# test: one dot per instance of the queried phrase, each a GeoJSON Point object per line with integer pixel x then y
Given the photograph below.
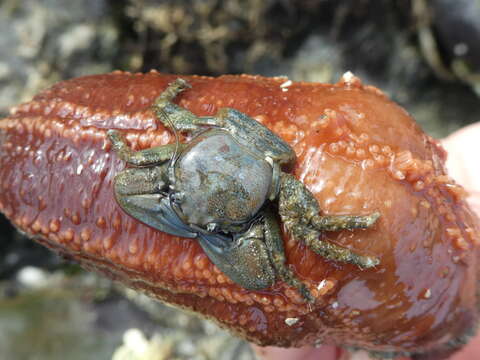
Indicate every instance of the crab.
{"type": "Point", "coordinates": [226, 188]}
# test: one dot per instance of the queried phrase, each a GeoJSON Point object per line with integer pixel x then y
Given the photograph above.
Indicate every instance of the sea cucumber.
{"type": "Point", "coordinates": [357, 151]}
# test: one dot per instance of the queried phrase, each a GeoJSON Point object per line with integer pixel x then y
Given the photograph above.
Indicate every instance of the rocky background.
{"type": "Point", "coordinates": [423, 54]}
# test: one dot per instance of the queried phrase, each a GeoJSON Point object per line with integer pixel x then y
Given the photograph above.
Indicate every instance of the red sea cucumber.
{"type": "Point", "coordinates": [357, 152]}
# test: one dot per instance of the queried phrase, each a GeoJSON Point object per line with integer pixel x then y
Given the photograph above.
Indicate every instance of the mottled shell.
{"type": "Point", "coordinates": [223, 182]}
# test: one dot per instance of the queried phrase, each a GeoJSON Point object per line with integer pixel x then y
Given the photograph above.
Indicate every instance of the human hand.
{"type": "Point", "coordinates": [463, 148]}
{"type": "Point", "coordinates": [463, 165]}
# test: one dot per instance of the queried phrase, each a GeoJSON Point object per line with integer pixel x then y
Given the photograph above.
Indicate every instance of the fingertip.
{"type": "Point", "coordinates": [306, 353]}
{"type": "Point", "coordinates": [471, 351]}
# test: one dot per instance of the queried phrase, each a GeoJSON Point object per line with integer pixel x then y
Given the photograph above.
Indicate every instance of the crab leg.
{"type": "Point", "coordinates": [344, 222]}
{"type": "Point", "coordinates": [299, 212]}
{"type": "Point", "coordinates": [154, 155]}
{"type": "Point", "coordinates": [175, 117]}
{"type": "Point", "coordinates": [274, 242]}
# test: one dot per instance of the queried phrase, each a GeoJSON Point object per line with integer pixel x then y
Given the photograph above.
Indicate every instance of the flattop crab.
{"type": "Point", "coordinates": [219, 188]}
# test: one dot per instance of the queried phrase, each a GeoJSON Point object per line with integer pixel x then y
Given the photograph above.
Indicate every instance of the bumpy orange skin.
{"type": "Point", "coordinates": [357, 152]}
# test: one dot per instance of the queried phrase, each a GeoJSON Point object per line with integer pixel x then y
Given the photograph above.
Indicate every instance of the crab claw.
{"type": "Point", "coordinates": [155, 210]}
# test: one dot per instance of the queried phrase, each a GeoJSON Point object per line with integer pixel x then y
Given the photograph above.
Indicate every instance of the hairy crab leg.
{"type": "Point", "coordinates": [145, 157]}
{"type": "Point", "coordinates": [274, 242]}
{"type": "Point", "coordinates": [299, 212]}
{"type": "Point", "coordinates": [140, 181]}
{"type": "Point", "coordinates": [175, 117]}
{"type": "Point", "coordinates": [344, 222]}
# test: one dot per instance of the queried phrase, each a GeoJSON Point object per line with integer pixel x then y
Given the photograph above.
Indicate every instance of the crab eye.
{"type": "Point", "coordinates": [212, 227]}
{"type": "Point", "coordinates": [177, 197]}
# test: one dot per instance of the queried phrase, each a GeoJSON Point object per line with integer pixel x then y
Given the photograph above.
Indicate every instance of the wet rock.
{"type": "Point", "coordinates": [48, 40]}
